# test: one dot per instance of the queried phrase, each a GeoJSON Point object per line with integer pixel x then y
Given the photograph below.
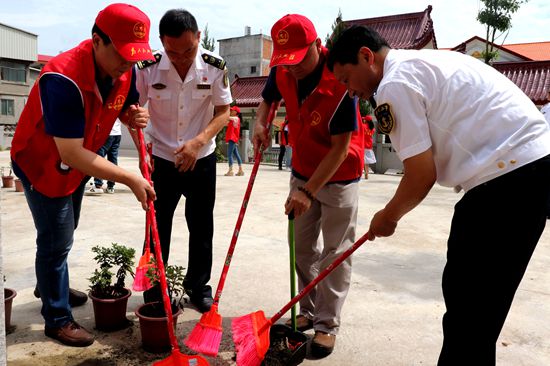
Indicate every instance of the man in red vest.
{"type": "Point", "coordinates": [327, 163]}
{"type": "Point", "coordinates": [68, 116]}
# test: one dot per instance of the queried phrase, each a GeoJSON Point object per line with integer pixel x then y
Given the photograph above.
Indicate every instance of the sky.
{"type": "Point", "coordinates": [62, 24]}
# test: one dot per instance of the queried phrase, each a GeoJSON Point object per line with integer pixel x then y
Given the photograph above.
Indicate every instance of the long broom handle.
{"type": "Point", "coordinates": [156, 242]}
{"type": "Point", "coordinates": [314, 282]}
{"type": "Point", "coordinates": [257, 160]}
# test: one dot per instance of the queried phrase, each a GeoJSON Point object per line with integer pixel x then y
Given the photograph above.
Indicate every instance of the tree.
{"type": "Point", "coordinates": [337, 28]}
{"type": "Point", "coordinates": [207, 42]}
{"type": "Point", "coordinates": [497, 16]}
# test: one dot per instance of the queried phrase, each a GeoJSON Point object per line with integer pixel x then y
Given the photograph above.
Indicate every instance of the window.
{"type": "Point", "coordinates": [252, 69]}
{"type": "Point", "coordinates": [11, 71]}
{"type": "Point", "coordinates": [7, 107]}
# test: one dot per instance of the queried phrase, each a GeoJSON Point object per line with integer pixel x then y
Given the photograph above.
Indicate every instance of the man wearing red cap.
{"type": "Point", "coordinates": [68, 116]}
{"type": "Point", "coordinates": [187, 93]}
{"type": "Point", "coordinates": [325, 133]}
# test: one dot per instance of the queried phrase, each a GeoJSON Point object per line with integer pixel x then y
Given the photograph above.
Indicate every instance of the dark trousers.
{"type": "Point", "coordinates": [282, 149]}
{"type": "Point", "coordinates": [109, 149]}
{"type": "Point", "coordinates": [199, 189]}
{"type": "Point", "coordinates": [494, 231]}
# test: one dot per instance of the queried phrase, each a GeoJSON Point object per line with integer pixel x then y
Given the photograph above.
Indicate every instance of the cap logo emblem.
{"type": "Point", "coordinates": [118, 103]}
{"type": "Point", "coordinates": [282, 37]}
{"type": "Point", "coordinates": [315, 118]}
{"type": "Point", "coordinates": [140, 30]}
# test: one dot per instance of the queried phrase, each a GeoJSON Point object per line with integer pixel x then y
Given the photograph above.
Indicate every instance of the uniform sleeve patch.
{"type": "Point", "coordinates": [146, 63]}
{"type": "Point", "coordinates": [385, 119]}
{"type": "Point", "coordinates": [214, 61]}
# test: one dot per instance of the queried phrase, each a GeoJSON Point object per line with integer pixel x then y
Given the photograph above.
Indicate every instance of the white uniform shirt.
{"type": "Point", "coordinates": [545, 110]}
{"type": "Point", "coordinates": [479, 124]}
{"type": "Point", "coordinates": [181, 109]}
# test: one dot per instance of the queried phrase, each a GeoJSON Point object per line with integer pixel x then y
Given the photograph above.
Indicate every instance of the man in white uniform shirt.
{"type": "Point", "coordinates": [188, 97]}
{"type": "Point", "coordinates": [454, 120]}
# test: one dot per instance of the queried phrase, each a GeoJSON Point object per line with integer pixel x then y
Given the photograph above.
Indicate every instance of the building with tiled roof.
{"type": "Point", "coordinates": [536, 51]}
{"type": "Point", "coordinates": [533, 77]}
{"type": "Point", "coordinates": [475, 46]}
{"type": "Point", "coordinates": [405, 31]}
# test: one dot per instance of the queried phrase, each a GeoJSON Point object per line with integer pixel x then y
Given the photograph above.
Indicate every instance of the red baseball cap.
{"type": "Point", "coordinates": [292, 36]}
{"type": "Point", "coordinates": [236, 109]}
{"type": "Point", "coordinates": [128, 28]}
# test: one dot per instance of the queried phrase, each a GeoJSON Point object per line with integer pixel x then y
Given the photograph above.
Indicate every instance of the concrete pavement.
{"type": "Point", "coordinates": [394, 308]}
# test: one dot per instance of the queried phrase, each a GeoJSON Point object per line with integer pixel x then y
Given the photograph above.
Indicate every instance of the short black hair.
{"type": "Point", "coordinates": [347, 45]}
{"type": "Point", "coordinates": [105, 38]}
{"type": "Point", "coordinates": [177, 21]}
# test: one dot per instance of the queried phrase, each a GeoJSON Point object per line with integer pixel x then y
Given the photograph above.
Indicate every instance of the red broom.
{"type": "Point", "coordinates": [141, 281]}
{"type": "Point", "coordinates": [176, 358]}
{"type": "Point", "coordinates": [206, 336]}
{"type": "Point", "coordinates": [251, 332]}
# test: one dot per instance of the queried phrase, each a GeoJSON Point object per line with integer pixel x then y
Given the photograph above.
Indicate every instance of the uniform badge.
{"type": "Point", "coordinates": [203, 86]}
{"type": "Point", "coordinates": [159, 86]}
{"type": "Point", "coordinates": [385, 119]}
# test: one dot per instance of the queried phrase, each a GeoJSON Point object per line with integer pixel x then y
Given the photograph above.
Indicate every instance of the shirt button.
{"type": "Point", "coordinates": [181, 107]}
{"type": "Point", "coordinates": [501, 164]}
{"type": "Point", "coordinates": [513, 161]}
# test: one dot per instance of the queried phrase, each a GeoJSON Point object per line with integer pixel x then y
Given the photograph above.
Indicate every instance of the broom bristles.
{"type": "Point", "coordinates": [177, 358]}
{"type": "Point", "coordinates": [251, 347]}
{"type": "Point", "coordinates": [206, 336]}
{"type": "Point", "coordinates": [141, 281]}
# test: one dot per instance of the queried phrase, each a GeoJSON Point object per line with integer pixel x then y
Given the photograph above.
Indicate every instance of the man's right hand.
{"type": "Point", "coordinates": [259, 137]}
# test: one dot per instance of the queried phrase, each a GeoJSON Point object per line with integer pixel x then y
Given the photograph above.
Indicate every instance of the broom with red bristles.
{"type": "Point", "coordinates": [251, 332]}
{"type": "Point", "coordinates": [176, 358]}
{"type": "Point", "coordinates": [206, 336]}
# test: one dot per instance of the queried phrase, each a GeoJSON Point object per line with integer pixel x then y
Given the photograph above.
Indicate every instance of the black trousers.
{"type": "Point", "coordinates": [494, 231]}
{"type": "Point", "coordinates": [282, 150]}
{"type": "Point", "coordinates": [199, 189]}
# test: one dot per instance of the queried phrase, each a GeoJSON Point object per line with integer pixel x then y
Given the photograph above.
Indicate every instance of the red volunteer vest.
{"type": "Point", "coordinates": [35, 151]}
{"type": "Point", "coordinates": [308, 128]}
{"type": "Point", "coordinates": [233, 131]}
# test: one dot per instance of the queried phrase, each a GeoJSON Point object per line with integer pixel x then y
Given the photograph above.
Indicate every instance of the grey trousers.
{"type": "Point", "coordinates": [334, 213]}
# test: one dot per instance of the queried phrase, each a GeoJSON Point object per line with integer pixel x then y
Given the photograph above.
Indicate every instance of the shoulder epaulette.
{"type": "Point", "coordinates": [146, 63]}
{"type": "Point", "coordinates": [214, 61]}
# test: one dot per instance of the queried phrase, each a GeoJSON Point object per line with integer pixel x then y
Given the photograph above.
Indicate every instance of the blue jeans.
{"type": "Point", "coordinates": [55, 220]}
{"type": "Point", "coordinates": [109, 148]}
{"type": "Point", "coordinates": [232, 149]}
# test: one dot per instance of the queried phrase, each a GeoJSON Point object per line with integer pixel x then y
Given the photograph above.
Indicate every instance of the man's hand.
{"type": "Point", "coordinates": [137, 116]}
{"type": "Point", "coordinates": [381, 225]}
{"type": "Point", "coordinates": [298, 202]}
{"type": "Point", "coordinates": [142, 190]}
{"type": "Point", "coordinates": [259, 137]}
{"type": "Point", "coordinates": [186, 155]}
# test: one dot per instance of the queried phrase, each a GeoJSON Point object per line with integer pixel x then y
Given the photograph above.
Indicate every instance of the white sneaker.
{"type": "Point", "coordinates": [92, 189]}
{"type": "Point", "coordinates": [110, 190]}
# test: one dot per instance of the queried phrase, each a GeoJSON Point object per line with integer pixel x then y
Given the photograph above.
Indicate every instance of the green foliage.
{"type": "Point", "coordinates": [337, 28]}
{"type": "Point", "coordinates": [496, 16]}
{"type": "Point", "coordinates": [207, 42]}
{"type": "Point", "coordinates": [174, 280]}
{"type": "Point", "coordinates": [117, 256]}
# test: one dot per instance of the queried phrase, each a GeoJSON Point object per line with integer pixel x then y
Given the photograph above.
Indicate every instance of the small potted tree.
{"type": "Point", "coordinates": [111, 299]}
{"type": "Point", "coordinates": [7, 179]}
{"type": "Point", "coordinates": [9, 295]}
{"type": "Point", "coordinates": [153, 322]}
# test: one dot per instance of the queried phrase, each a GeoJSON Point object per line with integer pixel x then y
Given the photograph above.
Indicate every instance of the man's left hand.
{"type": "Point", "coordinates": [186, 156]}
{"type": "Point", "coordinates": [137, 117]}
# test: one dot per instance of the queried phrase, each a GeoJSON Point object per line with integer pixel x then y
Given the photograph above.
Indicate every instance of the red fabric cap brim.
{"type": "Point", "coordinates": [288, 57]}
{"type": "Point", "coordinates": [134, 51]}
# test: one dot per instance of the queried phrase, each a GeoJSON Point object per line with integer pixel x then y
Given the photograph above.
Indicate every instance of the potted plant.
{"type": "Point", "coordinates": [153, 322]}
{"type": "Point", "coordinates": [9, 295]}
{"type": "Point", "coordinates": [7, 179]}
{"type": "Point", "coordinates": [111, 299]}
{"type": "Point", "coordinates": [18, 185]}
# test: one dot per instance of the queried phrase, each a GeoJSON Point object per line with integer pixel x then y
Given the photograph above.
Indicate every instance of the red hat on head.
{"type": "Point", "coordinates": [292, 36]}
{"type": "Point", "coordinates": [236, 109]}
{"type": "Point", "coordinates": [128, 28]}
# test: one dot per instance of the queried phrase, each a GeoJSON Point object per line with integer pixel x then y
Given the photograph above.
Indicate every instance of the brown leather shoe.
{"type": "Point", "coordinates": [322, 344]}
{"type": "Point", "coordinates": [71, 334]}
{"type": "Point", "coordinates": [302, 323]}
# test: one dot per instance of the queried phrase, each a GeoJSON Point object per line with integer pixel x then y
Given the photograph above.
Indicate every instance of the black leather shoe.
{"type": "Point", "coordinates": [76, 298]}
{"type": "Point", "coordinates": [203, 304]}
{"type": "Point", "coordinates": [71, 334]}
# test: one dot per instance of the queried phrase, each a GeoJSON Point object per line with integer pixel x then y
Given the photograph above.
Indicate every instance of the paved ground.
{"type": "Point", "coordinates": [394, 309]}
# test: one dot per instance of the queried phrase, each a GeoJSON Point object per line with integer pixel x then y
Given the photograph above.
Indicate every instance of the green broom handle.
{"type": "Point", "coordinates": [292, 249]}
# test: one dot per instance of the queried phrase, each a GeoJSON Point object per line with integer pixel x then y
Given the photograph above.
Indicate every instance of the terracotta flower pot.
{"type": "Point", "coordinates": [110, 314]}
{"type": "Point", "coordinates": [9, 295]}
{"type": "Point", "coordinates": [7, 181]}
{"type": "Point", "coordinates": [18, 185]}
{"type": "Point", "coordinates": [154, 327]}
